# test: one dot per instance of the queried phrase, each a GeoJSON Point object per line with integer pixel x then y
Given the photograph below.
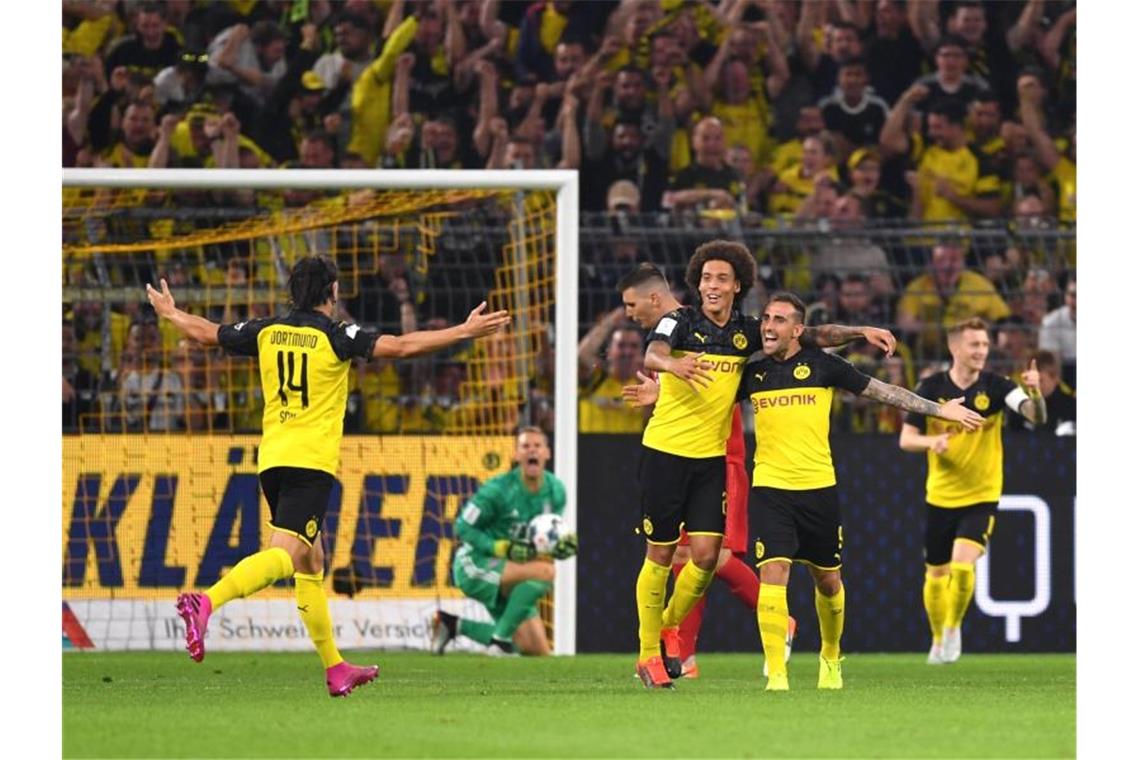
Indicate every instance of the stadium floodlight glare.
{"type": "Point", "coordinates": [563, 184]}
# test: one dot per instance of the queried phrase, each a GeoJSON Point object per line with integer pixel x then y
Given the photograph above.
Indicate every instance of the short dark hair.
{"type": "Point", "coordinates": [857, 277]}
{"type": "Point", "coordinates": [849, 26]}
{"type": "Point", "coordinates": [787, 296]}
{"type": "Point", "coordinates": [264, 32]}
{"type": "Point", "coordinates": [321, 136]}
{"type": "Point", "coordinates": [952, 40]}
{"type": "Point", "coordinates": [645, 272]}
{"type": "Point", "coordinates": [853, 60]}
{"type": "Point", "coordinates": [988, 96]}
{"type": "Point", "coordinates": [951, 109]}
{"type": "Point", "coordinates": [152, 7]}
{"type": "Point", "coordinates": [311, 282]}
{"type": "Point", "coordinates": [628, 120]}
{"type": "Point", "coordinates": [737, 254]}
{"type": "Point", "coordinates": [1046, 360]}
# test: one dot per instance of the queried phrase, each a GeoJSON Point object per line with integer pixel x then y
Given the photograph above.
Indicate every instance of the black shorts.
{"type": "Point", "coordinates": [298, 498]}
{"type": "Point", "coordinates": [801, 526]}
{"type": "Point", "coordinates": [680, 491]}
{"type": "Point", "coordinates": [945, 525]}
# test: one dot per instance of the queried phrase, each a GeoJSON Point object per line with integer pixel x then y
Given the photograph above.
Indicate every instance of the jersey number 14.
{"type": "Point", "coordinates": [285, 380]}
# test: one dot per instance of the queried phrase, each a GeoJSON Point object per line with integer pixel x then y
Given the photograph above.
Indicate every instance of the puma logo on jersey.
{"type": "Point", "coordinates": [760, 376]}
{"type": "Point", "coordinates": [700, 337]}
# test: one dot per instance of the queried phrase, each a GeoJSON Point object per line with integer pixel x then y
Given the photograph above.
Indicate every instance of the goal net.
{"type": "Point", "coordinates": [160, 490]}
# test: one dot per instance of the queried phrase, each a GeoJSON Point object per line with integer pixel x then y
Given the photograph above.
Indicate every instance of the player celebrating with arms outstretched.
{"type": "Point", "coordinates": [304, 358]}
{"type": "Point", "coordinates": [963, 485]}
{"type": "Point", "coordinates": [794, 496]}
{"type": "Point", "coordinates": [700, 354]}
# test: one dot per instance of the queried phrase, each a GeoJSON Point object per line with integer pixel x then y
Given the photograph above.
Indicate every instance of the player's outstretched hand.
{"type": "Point", "coordinates": [955, 411]}
{"type": "Point", "coordinates": [163, 302]}
{"type": "Point", "coordinates": [881, 338]}
{"type": "Point", "coordinates": [479, 324]}
{"type": "Point", "coordinates": [567, 546]}
{"type": "Point", "coordinates": [691, 369]}
{"type": "Point", "coordinates": [642, 394]}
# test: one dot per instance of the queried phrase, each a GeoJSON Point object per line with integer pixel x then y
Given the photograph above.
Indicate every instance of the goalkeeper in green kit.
{"type": "Point", "coordinates": [497, 565]}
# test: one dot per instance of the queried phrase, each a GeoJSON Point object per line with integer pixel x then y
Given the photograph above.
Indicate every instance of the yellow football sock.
{"type": "Point", "coordinates": [829, 610]}
{"type": "Point", "coordinates": [252, 574]}
{"type": "Point", "coordinates": [935, 593]}
{"type": "Point", "coordinates": [960, 593]}
{"type": "Point", "coordinates": [772, 619]}
{"type": "Point", "coordinates": [691, 584]}
{"type": "Point", "coordinates": [314, 608]}
{"type": "Point", "coordinates": [651, 582]}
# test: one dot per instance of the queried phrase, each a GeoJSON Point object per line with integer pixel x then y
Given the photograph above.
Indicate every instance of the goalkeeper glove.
{"type": "Point", "coordinates": [567, 546]}
{"type": "Point", "coordinates": [515, 551]}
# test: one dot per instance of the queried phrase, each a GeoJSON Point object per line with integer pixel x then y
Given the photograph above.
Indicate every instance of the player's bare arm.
{"type": "Point", "coordinates": [689, 367]}
{"type": "Point", "coordinates": [831, 336]}
{"type": "Point", "coordinates": [953, 410]}
{"type": "Point", "coordinates": [1032, 408]}
{"type": "Point", "coordinates": [420, 342]}
{"type": "Point", "coordinates": [192, 326]}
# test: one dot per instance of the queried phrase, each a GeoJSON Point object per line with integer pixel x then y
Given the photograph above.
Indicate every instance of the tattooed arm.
{"type": "Point", "coordinates": [829, 336]}
{"type": "Point", "coordinates": [952, 410]}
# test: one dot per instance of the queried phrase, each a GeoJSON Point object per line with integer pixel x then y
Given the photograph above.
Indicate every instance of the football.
{"type": "Point", "coordinates": [545, 530]}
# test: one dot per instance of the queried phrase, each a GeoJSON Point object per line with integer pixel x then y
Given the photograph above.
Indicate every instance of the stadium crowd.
{"type": "Point", "coordinates": [810, 130]}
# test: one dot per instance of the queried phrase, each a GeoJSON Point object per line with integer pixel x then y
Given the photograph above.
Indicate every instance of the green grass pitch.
{"type": "Point", "coordinates": [275, 705]}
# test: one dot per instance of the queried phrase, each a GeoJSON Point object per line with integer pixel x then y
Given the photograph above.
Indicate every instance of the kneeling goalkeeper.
{"type": "Point", "coordinates": [497, 565]}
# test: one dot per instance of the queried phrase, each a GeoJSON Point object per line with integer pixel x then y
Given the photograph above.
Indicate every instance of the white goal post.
{"type": "Point", "coordinates": [563, 182]}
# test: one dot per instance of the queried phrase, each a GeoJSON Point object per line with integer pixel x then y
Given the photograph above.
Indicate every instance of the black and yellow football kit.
{"type": "Point", "coordinates": [682, 470]}
{"type": "Point", "coordinates": [963, 484]}
{"type": "Point", "coordinates": [304, 361]}
{"type": "Point", "coordinates": [793, 483]}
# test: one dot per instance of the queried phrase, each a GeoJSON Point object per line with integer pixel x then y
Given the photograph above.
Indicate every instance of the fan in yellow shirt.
{"type": "Point", "coordinates": [945, 296]}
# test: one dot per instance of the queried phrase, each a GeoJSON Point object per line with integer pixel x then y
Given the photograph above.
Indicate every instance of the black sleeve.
{"type": "Point", "coordinates": [240, 338]}
{"type": "Point", "coordinates": [99, 121]}
{"type": "Point", "coordinates": [350, 341]}
{"type": "Point", "coordinates": [925, 390]}
{"type": "Point", "coordinates": [743, 391]}
{"type": "Point", "coordinates": [842, 374]}
{"type": "Point", "coordinates": [671, 328]}
{"type": "Point", "coordinates": [1001, 387]}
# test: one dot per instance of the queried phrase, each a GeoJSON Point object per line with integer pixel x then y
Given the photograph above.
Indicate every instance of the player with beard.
{"type": "Point", "coordinates": [794, 494]}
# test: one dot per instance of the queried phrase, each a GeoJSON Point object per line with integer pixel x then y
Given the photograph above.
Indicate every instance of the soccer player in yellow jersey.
{"type": "Point", "coordinates": [304, 359]}
{"type": "Point", "coordinates": [794, 496]}
{"type": "Point", "coordinates": [699, 355]}
{"type": "Point", "coordinates": [963, 484]}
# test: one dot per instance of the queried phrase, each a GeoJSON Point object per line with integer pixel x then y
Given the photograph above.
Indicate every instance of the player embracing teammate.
{"type": "Point", "coordinates": [699, 355]}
